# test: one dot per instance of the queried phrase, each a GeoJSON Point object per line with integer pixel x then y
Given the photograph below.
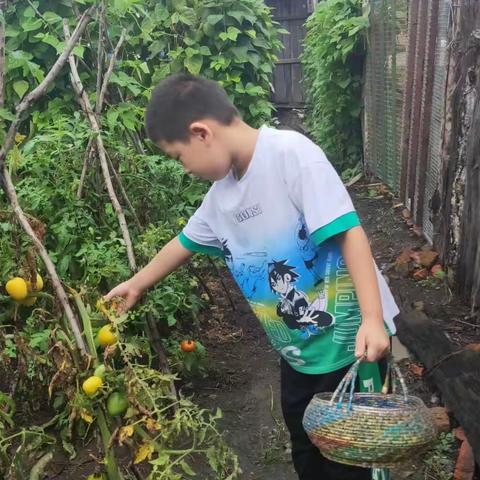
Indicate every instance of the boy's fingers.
{"type": "Point", "coordinates": [114, 292]}
{"type": "Point", "coordinates": [360, 347]}
{"type": "Point", "coordinates": [108, 296]}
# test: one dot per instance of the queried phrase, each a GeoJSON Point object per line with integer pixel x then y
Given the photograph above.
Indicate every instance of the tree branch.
{"type": "Point", "coordinates": [108, 73]}
{"type": "Point", "coordinates": [9, 188]}
{"type": "Point", "coordinates": [137, 142]}
{"type": "Point", "coordinates": [87, 107]}
{"type": "Point", "coordinates": [86, 159]}
{"type": "Point", "coordinates": [124, 192]}
{"type": "Point", "coordinates": [101, 27]}
{"type": "Point", "coordinates": [40, 90]}
{"type": "Point", "coordinates": [3, 6]}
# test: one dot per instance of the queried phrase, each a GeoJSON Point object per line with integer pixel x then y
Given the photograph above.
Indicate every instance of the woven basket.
{"type": "Point", "coordinates": [375, 430]}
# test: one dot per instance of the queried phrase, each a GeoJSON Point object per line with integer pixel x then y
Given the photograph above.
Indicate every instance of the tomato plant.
{"type": "Point", "coordinates": [228, 41]}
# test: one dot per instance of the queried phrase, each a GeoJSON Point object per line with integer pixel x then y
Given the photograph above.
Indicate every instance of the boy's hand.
{"type": "Point", "coordinates": [372, 341]}
{"type": "Point", "coordinates": [128, 292]}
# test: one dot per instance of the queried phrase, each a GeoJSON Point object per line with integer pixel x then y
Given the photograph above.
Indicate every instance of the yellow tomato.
{"type": "Point", "coordinates": [17, 288]}
{"type": "Point", "coordinates": [39, 284]}
{"type": "Point", "coordinates": [29, 301]}
{"type": "Point", "coordinates": [106, 336]}
{"type": "Point", "coordinates": [91, 385]}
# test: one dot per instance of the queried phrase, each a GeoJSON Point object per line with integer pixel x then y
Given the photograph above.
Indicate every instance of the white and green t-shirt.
{"type": "Point", "coordinates": [276, 229]}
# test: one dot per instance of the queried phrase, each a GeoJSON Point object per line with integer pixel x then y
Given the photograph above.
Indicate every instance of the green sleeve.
{"type": "Point", "coordinates": [199, 248]}
{"type": "Point", "coordinates": [339, 225]}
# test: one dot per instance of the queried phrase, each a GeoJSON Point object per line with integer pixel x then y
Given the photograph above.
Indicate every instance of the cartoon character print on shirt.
{"type": "Point", "coordinates": [310, 254]}
{"type": "Point", "coordinates": [294, 306]}
{"type": "Point", "coordinates": [249, 271]}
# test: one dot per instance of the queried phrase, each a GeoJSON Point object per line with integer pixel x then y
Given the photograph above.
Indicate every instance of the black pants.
{"type": "Point", "coordinates": [297, 389]}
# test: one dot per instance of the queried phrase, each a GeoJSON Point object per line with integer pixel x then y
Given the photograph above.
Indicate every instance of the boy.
{"type": "Point", "coordinates": [280, 216]}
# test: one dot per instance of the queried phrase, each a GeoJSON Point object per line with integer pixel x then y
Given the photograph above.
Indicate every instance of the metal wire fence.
{"type": "Point", "coordinates": [384, 88]}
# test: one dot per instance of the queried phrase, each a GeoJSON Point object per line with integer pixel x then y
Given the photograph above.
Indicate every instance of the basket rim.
{"type": "Point", "coordinates": [413, 402]}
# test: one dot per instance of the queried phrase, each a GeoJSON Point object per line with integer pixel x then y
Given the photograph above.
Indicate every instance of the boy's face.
{"type": "Point", "coordinates": [204, 155]}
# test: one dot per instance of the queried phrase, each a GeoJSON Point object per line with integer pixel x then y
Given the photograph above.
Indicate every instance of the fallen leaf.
{"type": "Point", "coordinates": [473, 347]}
{"type": "Point", "coordinates": [417, 369]}
{"type": "Point", "coordinates": [460, 434]}
{"type": "Point", "coordinates": [420, 306]}
{"type": "Point", "coordinates": [465, 466]}
{"type": "Point", "coordinates": [403, 262]}
{"type": "Point", "coordinates": [438, 271]}
{"type": "Point", "coordinates": [383, 190]}
{"type": "Point", "coordinates": [420, 274]}
{"type": "Point", "coordinates": [425, 258]}
{"type": "Point", "coordinates": [441, 418]}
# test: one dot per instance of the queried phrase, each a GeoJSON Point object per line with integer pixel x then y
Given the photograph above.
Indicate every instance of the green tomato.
{"type": "Point", "coordinates": [117, 404]}
{"type": "Point", "coordinates": [100, 371]}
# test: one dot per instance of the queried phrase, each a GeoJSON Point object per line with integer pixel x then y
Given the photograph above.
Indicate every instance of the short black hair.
{"type": "Point", "coordinates": [181, 99]}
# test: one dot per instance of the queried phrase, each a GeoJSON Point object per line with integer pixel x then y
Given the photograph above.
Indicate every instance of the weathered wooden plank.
{"type": "Point", "coordinates": [458, 222]}
{"type": "Point", "coordinates": [292, 15]}
{"type": "Point", "coordinates": [287, 61]}
{"type": "Point", "coordinates": [456, 373]}
{"type": "Point", "coordinates": [281, 94]}
{"type": "Point", "coordinates": [417, 102]}
{"type": "Point", "coordinates": [301, 18]}
{"type": "Point", "coordinates": [426, 112]}
{"type": "Point", "coordinates": [297, 85]}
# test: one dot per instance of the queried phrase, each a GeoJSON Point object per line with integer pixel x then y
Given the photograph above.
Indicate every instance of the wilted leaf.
{"type": "Point", "coordinates": [145, 451]}
{"type": "Point", "coordinates": [152, 425]}
{"type": "Point", "coordinates": [86, 416]}
{"type": "Point", "coordinates": [125, 432]}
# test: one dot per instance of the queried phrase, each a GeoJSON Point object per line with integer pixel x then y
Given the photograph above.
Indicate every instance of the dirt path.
{"type": "Point", "coordinates": [244, 383]}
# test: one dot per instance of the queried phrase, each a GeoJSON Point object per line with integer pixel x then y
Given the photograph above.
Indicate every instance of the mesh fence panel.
{"type": "Point", "coordinates": [384, 85]}
{"type": "Point", "coordinates": [434, 162]}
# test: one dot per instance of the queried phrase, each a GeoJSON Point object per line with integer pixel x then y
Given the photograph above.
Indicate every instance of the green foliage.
{"type": "Point", "coordinates": [225, 40]}
{"type": "Point", "coordinates": [333, 63]}
{"type": "Point", "coordinates": [440, 463]}
{"type": "Point", "coordinates": [228, 41]}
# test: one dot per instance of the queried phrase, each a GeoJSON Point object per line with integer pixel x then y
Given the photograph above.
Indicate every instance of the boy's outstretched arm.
{"type": "Point", "coordinates": [372, 337]}
{"type": "Point", "coordinates": [168, 259]}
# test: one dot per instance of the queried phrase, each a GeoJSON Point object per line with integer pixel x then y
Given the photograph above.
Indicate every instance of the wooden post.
{"type": "Point", "coordinates": [456, 372]}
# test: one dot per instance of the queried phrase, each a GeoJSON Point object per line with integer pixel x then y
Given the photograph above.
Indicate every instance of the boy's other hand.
{"type": "Point", "coordinates": [372, 341]}
{"type": "Point", "coordinates": [128, 292]}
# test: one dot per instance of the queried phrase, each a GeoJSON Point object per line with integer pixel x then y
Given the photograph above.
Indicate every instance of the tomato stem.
{"type": "Point", "coordinates": [87, 324]}
{"type": "Point", "coordinates": [111, 464]}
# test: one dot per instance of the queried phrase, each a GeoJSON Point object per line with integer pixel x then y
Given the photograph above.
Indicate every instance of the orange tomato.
{"type": "Point", "coordinates": [188, 345]}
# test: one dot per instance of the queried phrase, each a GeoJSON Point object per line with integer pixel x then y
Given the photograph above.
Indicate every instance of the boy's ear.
{"type": "Point", "coordinates": [200, 130]}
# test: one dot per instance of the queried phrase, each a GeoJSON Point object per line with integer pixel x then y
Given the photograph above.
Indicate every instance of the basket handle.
{"type": "Point", "coordinates": [348, 382]}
